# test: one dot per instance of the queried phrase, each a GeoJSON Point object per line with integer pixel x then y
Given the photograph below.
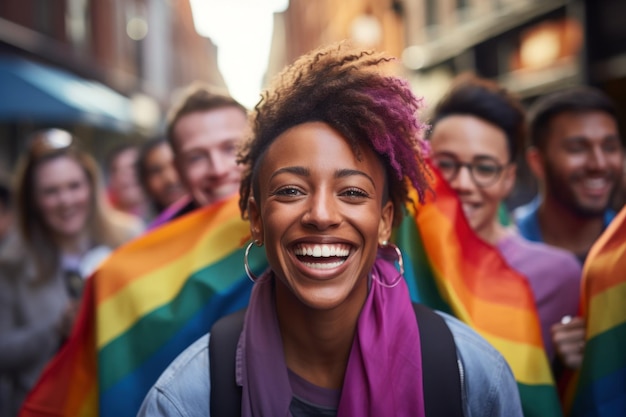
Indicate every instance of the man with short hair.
{"type": "Point", "coordinates": [576, 155]}
{"type": "Point", "coordinates": [205, 130]}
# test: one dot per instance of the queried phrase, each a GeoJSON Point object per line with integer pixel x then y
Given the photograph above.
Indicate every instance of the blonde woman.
{"type": "Point", "coordinates": [65, 230]}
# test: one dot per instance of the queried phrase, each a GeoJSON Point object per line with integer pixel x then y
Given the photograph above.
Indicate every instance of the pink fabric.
{"type": "Point", "coordinates": [169, 213]}
{"type": "Point", "coordinates": [384, 373]}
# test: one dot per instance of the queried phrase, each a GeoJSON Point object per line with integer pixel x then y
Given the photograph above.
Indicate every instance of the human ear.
{"type": "Point", "coordinates": [508, 180]}
{"type": "Point", "coordinates": [386, 222]}
{"type": "Point", "coordinates": [535, 161]}
{"type": "Point", "coordinates": [256, 222]}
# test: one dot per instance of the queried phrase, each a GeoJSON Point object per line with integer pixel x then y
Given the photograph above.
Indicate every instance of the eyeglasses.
{"type": "Point", "coordinates": [484, 170]}
{"type": "Point", "coordinates": [46, 141]}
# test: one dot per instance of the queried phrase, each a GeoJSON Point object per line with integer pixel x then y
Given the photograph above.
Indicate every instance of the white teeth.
{"type": "Point", "coordinates": [329, 265]}
{"type": "Point", "coordinates": [595, 183]}
{"type": "Point", "coordinates": [322, 251]}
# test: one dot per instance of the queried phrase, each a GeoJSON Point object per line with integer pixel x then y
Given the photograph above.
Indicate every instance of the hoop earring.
{"type": "Point", "coordinates": [246, 265]}
{"type": "Point", "coordinates": [396, 256]}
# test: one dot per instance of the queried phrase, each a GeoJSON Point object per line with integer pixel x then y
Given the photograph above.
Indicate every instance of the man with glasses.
{"type": "Point", "coordinates": [477, 129]}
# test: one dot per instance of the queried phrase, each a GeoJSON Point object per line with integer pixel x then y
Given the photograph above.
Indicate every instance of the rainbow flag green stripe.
{"type": "Point", "coordinates": [418, 270]}
{"type": "Point", "coordinates": [606, 350]}
{"type": "Point", "coordinates": [539, 400]}
{"type": "Point", "coordinates": [600, 386]}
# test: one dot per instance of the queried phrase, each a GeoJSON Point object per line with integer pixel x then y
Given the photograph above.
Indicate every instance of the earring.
{"type": "Point", "coordinates": [385, 250]}
{"type": "Point", "coordinates": [246, 265]}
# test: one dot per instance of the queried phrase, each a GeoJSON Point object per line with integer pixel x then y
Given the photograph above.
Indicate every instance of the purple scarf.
{"type": "Point", "coordinates": [384, 372]}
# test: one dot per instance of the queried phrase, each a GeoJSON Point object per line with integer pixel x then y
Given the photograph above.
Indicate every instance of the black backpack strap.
{"type": "Point", "coordinates": [225, 393]}
{"type": "Point", "coordinates": [440, 370]}
{"type": "Point", "coordinates": [441, 378]}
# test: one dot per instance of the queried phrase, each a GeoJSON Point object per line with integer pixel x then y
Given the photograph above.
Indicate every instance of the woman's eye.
{"type": "Point", "coordinates": [288, 192]}
{"type": "Point", "coordinates": [355, 193]}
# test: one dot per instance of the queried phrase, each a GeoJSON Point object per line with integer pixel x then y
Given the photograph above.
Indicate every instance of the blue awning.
{"type": "Point", "coordinates": [36, 92]}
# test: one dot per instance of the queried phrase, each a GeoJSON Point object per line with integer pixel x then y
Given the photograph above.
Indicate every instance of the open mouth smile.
{"type": "Point", "coordinates": [322, 256]}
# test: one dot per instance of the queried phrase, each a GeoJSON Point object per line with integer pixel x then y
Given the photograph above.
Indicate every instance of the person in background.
{"type": "Point", "coordinates": [6, 216]}
{"type": "Point", "coordinates": [205, 130]}
{"type": "Point", "coordinates": [576, 153]}
{"type": "Point", "coordinates": [123, 187]}
{"type": "Point", "coordinates": [65, 230]}
{"type": "Point", "coordinates": [477, 132]}
{"type": "Point", "coordinates": [330, 329]}
{"type": "Point", "coordinates": [158, 176]}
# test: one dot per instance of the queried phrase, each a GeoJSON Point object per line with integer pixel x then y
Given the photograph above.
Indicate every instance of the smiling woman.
{"type": "Point", "coordinates": [330, 329]}
{"type": "Point", "coordinates": [317, 212]}
{"type": "Point", "coordinates": [66, 230]}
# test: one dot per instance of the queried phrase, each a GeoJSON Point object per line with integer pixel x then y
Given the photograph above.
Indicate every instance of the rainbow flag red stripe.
{"type": "Point", "coordinates": [151, 299]}
{"type": "Point", "coordinates": [451, 269]}
{"type": "Point", "coordinates": [600, 389]}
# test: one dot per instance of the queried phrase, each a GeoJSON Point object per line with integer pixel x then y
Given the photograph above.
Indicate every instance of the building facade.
{"type": "Point", "coordinates": [112, 66]}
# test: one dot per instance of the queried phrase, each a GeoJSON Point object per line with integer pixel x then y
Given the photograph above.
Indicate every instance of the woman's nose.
{"type": "Point", "coordinates": [322, 212]}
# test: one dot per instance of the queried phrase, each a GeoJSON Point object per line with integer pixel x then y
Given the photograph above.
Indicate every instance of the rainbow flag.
{"type": "Point", "coordinates": [449, 268]}
{"type": "Point", "coordinates": [152, 298]}
{"type": "Point", "coordinates": [159, 293]}
{"type": "Point", "coordinates": [600, 385]}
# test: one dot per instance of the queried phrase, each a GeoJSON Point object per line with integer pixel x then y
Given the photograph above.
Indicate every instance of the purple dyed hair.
{"type": "Point", "coordinates": [346, 89]}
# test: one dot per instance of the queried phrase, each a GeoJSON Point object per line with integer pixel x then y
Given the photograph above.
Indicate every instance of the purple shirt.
{"type": "Point", "coordinates": [554, 276]}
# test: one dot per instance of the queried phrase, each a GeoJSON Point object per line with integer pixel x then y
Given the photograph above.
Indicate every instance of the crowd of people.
{"type": "Point", "coordinates": [323, 170]}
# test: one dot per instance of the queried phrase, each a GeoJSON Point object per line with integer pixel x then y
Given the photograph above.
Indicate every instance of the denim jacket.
{"type": "Point", "coordinates": [488, 386]}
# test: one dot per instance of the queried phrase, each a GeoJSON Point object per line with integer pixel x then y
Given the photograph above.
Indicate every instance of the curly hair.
{"type": "Point", "coordinates": [345, 89]}
{"type": "Point", "coordinates": [486, 100]}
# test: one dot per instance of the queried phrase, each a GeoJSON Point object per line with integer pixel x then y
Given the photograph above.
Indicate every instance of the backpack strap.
{"type": "Point", "coordinates": [440, 371]}
{"type": "Point", "coordinates": [225, 393]}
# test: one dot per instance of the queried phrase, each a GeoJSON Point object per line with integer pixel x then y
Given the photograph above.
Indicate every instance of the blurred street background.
{"type": "Point", "coordinates": [107, 70]}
